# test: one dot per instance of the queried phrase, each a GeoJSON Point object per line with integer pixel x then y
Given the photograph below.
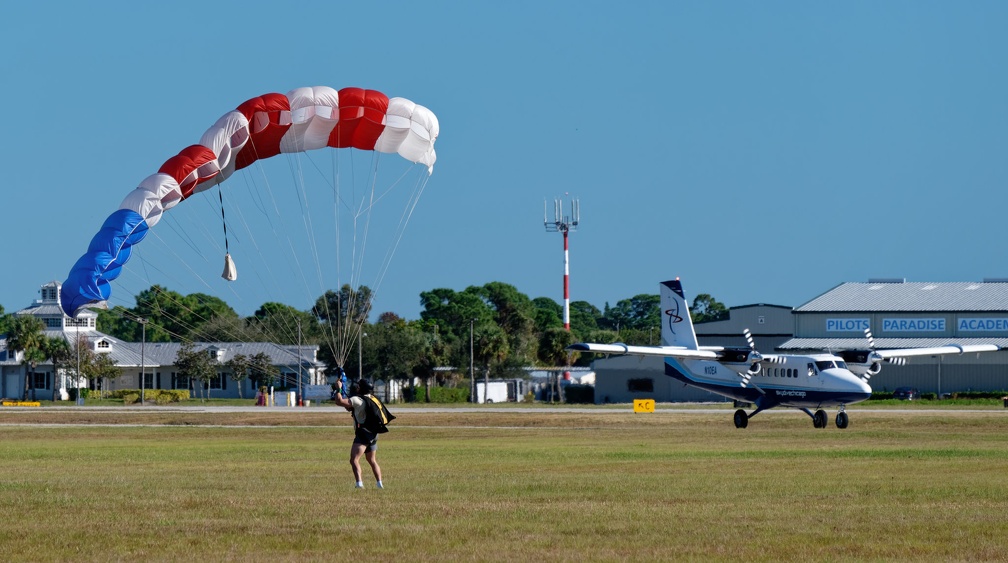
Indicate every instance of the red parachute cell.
{"type": "Point", "coordinates": [269, 119]}
{"type": "Point", "coordinates": [361, 119]}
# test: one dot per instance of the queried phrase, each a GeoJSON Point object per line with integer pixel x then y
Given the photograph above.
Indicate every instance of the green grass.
{"type": "Point", "coordinates": [507, 486]}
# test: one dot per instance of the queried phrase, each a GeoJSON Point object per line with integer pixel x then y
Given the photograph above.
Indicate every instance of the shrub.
{"type": "Point", "coordinates": [163, 399]}
{"type": "Point", "coordinates": [131, 398]}
{"type": "Point", "coordinates": [449, 394]}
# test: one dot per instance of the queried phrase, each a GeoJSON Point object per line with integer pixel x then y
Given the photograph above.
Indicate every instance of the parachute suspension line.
{"type": "Point", "coordinates": [404, 218]}
{"type": "Point", "coordinates": [306, 218]}
{"type": "Point", "coordinates": [333, 338]}
{"type": "Point", "coordinates": [273, 219]}
{"type": "Point", "coordinates": [230, 272]}
{"type": "Point", "coordinates": [418, 189]}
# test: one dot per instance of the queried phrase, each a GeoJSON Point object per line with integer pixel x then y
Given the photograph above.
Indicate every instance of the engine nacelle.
{"type": "Point", "coordinates": [742, 357]}
{"type": "Point", "coordinates": [862, 362]}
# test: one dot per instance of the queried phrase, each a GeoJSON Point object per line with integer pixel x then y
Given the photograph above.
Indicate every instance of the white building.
{"type": "Point", "coordinates": [156, 358]}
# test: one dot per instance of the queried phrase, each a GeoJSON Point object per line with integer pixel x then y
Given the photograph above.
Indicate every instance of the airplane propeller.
{"type": "Point", "coordinates": [875, 359]}
{"type": "Point", "coordinates": [755, 357]}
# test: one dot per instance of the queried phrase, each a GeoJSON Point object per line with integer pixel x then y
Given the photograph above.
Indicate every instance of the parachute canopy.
{"type": "Point", "coordinates": [302, 120]}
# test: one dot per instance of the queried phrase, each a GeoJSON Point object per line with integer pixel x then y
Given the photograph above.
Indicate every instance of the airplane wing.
{"type": "Point", "coordinates": [937, 350]}
{"type": "Point", "coordinates": [620, 349]}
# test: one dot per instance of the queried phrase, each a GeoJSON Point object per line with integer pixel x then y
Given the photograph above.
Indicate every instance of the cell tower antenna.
{"type": "Point", "coordinates": [564, 224]}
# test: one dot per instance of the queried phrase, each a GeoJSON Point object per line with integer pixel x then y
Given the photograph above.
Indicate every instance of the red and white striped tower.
{"type": "Point", "coordinates": [566, 284]}
{"type": "Point", "coordinates": [564, 224]}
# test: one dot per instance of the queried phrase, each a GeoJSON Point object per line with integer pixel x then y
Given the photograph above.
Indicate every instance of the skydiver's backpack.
{"type": "Point", "coordinates": [376, 415]}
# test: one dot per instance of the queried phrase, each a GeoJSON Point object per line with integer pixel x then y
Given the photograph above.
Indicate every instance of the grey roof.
{"type": "Point", "coordinates": [882, 343]}
{"type": "Point", "coordinates": [42, 310]}
{"type": "Point", "coordinates": [911, 297]}
{"type": "Point", "coordinates": [128, 354]}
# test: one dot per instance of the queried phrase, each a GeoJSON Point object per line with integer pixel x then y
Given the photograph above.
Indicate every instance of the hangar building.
{"type": "Point", "coordinates": [900, 314]}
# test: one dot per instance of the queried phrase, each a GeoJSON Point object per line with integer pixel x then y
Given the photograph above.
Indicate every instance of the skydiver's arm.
{"type": "Point", "coordinates": [340, 399]}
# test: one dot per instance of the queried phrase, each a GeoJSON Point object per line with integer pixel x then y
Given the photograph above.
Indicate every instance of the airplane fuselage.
{"type": "Point", "coordinates": [812, 381]}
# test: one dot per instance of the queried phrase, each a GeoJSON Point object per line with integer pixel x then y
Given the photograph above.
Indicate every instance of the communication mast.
{"type": "Point", "coordinates": [564, 224]}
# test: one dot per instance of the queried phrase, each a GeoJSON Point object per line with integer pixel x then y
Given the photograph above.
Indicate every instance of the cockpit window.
{"type": "Point", "coordinates": [829, 364]}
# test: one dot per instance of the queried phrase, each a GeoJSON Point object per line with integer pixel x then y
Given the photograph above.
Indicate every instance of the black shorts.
{"type": "Point", "coordinates": [366, 438]}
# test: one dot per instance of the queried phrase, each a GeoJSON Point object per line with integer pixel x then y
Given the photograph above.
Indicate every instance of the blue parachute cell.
{"type": "Point", "coordinates": [88, 282]}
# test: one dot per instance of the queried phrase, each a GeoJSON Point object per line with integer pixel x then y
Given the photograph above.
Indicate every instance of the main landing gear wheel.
{"type": "Point", "coordinates": [741, 419]}
{"type": "Point", "coordinates": [842, 420]}
{"type": "Point", "coordinates": [819, 419]}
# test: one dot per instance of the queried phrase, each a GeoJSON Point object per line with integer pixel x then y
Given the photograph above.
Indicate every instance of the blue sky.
{"type": "Point", "coordinates": [764, 152]}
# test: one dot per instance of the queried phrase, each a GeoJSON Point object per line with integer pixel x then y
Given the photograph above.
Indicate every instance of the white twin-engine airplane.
{"type": "Point", "coordinates": [803, 382]}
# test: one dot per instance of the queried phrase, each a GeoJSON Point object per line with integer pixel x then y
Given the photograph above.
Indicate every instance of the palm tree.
{"type": "Point", "coordinates": [26, 335]}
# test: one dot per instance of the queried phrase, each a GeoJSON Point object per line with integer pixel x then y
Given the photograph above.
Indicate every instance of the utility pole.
{"type": "Point", "coordinates": [143, 366]}
{"type": "Point", "coordinates": [564, 224]}
{"type": "Point", "coordinates": [472, 374]}
{"type": "Point", "coordinates": [300, 399]}
{"type": "Point", "coordinates": [360, 355]}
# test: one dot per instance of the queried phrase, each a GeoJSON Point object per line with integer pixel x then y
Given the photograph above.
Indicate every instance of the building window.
{"type": "Point", "coordinates": [148, 382]}
{"type": "Point", "coordinates": [217, 381]}
{"type": "Point", "coordinates": [41, 380]}
{"type": "Point", "coordinates": [180, 381]}
{"type": "Point", "coordinates": [761, 320]}
{"type": "Point", "coordinates": [103, 344]}
{"type": "Point", "coordinates": [642, 385]}
{"type": "Point", "coordinates": [54, 323]}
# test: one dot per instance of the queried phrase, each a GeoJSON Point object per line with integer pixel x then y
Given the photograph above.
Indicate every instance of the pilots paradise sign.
{"type": "Point", "coordinates": [888, 325]}
{"type": "Point", "coordinates": [938, 324]}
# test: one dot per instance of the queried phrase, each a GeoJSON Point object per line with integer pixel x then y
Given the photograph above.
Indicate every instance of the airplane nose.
{"type": "Point", "coordinates": [862, 389]}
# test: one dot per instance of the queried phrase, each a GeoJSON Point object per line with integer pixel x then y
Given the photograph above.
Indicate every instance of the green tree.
{"type": "Point", "coordinates": [26, 335]}
{"type": "Point", "coordinates": [553, 352]}
{"type": "Point", "coordinates": [61, 354]}
{"type": "Point", "coordinates": [83, 358]}
{"type": "Point", "coordinates": [705, 308]}
{"type": "Point", "coordinates": [548, 314]}
{"type": "Point", "coordinates": [263, 370]}
{"type": "Point", "coordinates": [453, 310]}
{"type": "Point", "coordinates": [584, 318]}
{"type": "Point", "coordinates": [640, 312]}
{"type": "Point", "coordinates": [434, 354]}
{"type": "Point", "coordinates": [197, 365]}
{"type": "Point", "coordinates": [345, 305]}
{"type": "Point", "coordinates": [280, 323]}
{"type": "Point", "coordinates": [5, 321]}
{"type": "Point", "coordinates": [101, 368]}
{"type": "Point", "coordinates": [169, 315]}
{"type": "Point", "coordinates": [239, 366]}
{"type": "Point", "coordinates": [490, 349]}
{"type": "Point", "coordinates": [398, 346]}
{"type": "Point", "coordinates": [514, 313]}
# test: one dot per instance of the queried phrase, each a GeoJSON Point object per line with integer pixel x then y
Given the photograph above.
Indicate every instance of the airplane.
{"type": "Point", "coordinates": [801, 381]}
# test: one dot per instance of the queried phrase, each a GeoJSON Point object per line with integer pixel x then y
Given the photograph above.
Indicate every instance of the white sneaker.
{"type": "Point", "coordinates": [380, 486]}
{"type": "Point", "coordinates": [359, 486]}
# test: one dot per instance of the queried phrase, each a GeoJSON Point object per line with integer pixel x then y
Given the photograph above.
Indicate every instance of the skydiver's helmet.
{"type": "Point", "coordinates": [363, 387]}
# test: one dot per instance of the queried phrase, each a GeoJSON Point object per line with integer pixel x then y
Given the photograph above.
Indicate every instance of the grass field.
{"type": "Point", "coordinates": [503, 485]}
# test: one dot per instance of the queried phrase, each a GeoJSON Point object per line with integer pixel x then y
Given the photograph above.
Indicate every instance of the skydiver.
{"type": "Point", "coordinates": [365, 441]}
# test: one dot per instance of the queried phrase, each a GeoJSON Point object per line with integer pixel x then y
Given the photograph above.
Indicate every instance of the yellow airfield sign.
{"type": "Point", "coordinates": [643, 405]}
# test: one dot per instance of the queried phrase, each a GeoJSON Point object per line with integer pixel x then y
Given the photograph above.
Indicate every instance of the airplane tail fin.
{"type": "Point", "coordinates": [677, 326]}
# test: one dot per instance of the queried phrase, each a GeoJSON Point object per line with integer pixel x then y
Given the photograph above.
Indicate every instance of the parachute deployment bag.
{"type": "Point", "coordinates": [377, 416]}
